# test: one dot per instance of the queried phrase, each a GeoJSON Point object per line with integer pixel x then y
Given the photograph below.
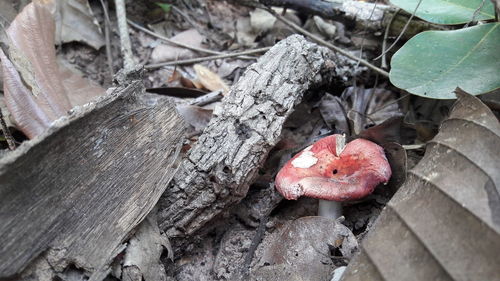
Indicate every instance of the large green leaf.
{"type": "Point", "coordinates": [448, 11]}
{"type": "Point", "coordinates": [433, 63]}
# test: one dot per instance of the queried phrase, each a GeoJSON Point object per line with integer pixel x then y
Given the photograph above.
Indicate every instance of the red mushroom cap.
{"type": "Point", "coordinates": [318, 171]}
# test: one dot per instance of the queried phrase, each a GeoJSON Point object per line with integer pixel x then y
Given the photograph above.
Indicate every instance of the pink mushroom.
{"type": "Point", "coordinates": [334, 172]}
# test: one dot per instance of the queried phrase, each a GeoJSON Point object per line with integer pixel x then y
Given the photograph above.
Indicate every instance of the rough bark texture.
{"type": "Point", "coordinates": [72, 195]}
{"type": "Point", "coordinates": [248, 123]}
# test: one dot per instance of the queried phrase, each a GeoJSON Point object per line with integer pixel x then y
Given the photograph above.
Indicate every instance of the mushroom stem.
{"type": "Point", "coordinates": [329, 209]}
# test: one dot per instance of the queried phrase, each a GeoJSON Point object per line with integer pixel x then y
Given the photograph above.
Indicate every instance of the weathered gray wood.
{"type": "Point", "coordinates": [248, 123]}
{"type": "Point", "coordinates": [75, 192]}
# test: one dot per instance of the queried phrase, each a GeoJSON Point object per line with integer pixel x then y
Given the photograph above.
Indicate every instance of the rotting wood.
{"type": "Point", "coordinates": [72, 195]}
{"type": "Point", "coordinates": [219, 169]}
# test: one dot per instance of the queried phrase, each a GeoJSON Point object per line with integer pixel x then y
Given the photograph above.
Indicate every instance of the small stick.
{"type": "Point", "coordinates": [6, 133]}
{"type": "Point", "coordinates": [107, 27]}
{"type": "Point", "coordinates": [326, 44]}
{"type": "Point", "coordinates": [201, 59]}
{"type": "Point", "coordinates": [387, 104]}
{"type": "Point", "coordinates": [126, 46]}
{"type": "Point", "coordinates": [402, 31]}
{"type": "Point", "coordinates": [208, 98]}
{"type": "Point", "coordinates": [386, 35]}
{"type": "Point", "coordinates": [193, 48]}
{"type": "Point", "coordinates": [475, 14]}
{"type": "Point", "coordinates": [413, 146]}
{"type": "Point", "coordinates": [261, 229]}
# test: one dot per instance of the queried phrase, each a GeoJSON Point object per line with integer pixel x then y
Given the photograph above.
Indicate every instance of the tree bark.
{"type": "Point", "coordinates": [73, 194]}
{"type": "Point", "coordinates": [219, 169]}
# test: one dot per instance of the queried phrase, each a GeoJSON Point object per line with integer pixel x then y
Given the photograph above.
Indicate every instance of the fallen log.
{"type": "Point", "coordinates": [218, 171]}
{"type": "Point", "coordinates": [71, 196]}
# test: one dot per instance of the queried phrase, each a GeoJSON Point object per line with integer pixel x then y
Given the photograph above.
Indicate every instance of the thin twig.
{"type": "Point", "coordinates": [126, 46]}
{"type": "Point", "coordinates": [168, 40]}
{"type": "Point", "coordinates": [386, 35]}
{"type": "Point", "coordinates": [193, 48]}
{"type": "Point", "coordinates": [326, 44]}
{"type": "Point", "coordinates": [495, 6]}
{"type": "Point", "coordinates": [208, 98]}
{"type": "Point", "coordinates": [413, 146]}
{"type": "Point", "coordinates": [387, 104]}
{"type": "Point", "coordinates": [475, 14]}
{"type": "Point", "coordinates": [107, 28]}
{"type": "Point", "coordinates": [196, 60]}
{"type": "Point", "coordinates": [402, 31]}
{"type": "Point", "coordinates": [6, 133]}
{"type": "Point", "coordinates": [259, 233]}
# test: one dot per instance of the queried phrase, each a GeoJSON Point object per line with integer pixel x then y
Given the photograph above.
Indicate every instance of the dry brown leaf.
{"type": "Point", "coordinates": [444, 222]}
{"type": "Point", "coordinates": [358, 108]}
{"type": "Point", "coordinates": [145, 249]}
{"type": "Point", "coordinates": [176, 75]}
{"type": "Point", "coordinates": [30, 117]}
{"type": "Point", "coordinates": [197, 84]}
{"type": "Point", "coordinates": [176, 79]}
{"type": "Point", "coordinates": [74, 22]}
{"type": "Point", "coordinates": [262, 21]}
{"type": "Point", "coordinates": [42, 91]}
{"type": "Point", "coordinates": [245, 35]}
{"type": "Point", "coordinates": [196, 116]}
{"type": "Point", "coordinates": [302, 248]}
{"type": "Point", "coordinates": [210, 80]}
{"type": "Point", "coordinates": [166, 52]}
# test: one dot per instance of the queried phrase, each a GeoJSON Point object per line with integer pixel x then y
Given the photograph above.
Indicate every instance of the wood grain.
{"type": "Point", "coordinates": [75, 192]}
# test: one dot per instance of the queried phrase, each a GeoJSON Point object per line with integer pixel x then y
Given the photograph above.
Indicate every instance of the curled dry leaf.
{"type": "Point", "coordinates": [262, 21]}
{"type": "Point", "coordinates": [387, 131]}
{"type": "Point", "coordinates": [30, 117]}
{"type": "Point", "coordinates": [333, 111]}
{"type": "Point", "coordinates": [358, 108]}
{"type": "Point", "coordinates": [323, 28]}
{"type": "Point", "coordinates": [443, 223]}
{"type": "Point", "coordinates": [74, 22]}
{"type": "Point", "coordinates": [195, 116]}
{"type": "Point", "coordinates": [210, 80]}
{"type": "Point", "coordinates": [302, 248]}
{"type": "Point", "coordinates": [145, 249]}
{"type": "Point", "coordinates": [37, 90]}
{"type": "Point", "coordinates": [245, 35]}
{"type": "Point", "coordinates": [166, 52]}
{"type": "Point", "coordinates": [176, 79]}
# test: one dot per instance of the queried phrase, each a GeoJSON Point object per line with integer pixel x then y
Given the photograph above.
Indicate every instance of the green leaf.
{"type": "Point", "coordinates": [433, 63]}
{"type": "Point", "coordinates": [448, 11]}
{"type": "Point", "coordinates": [165, 7]}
